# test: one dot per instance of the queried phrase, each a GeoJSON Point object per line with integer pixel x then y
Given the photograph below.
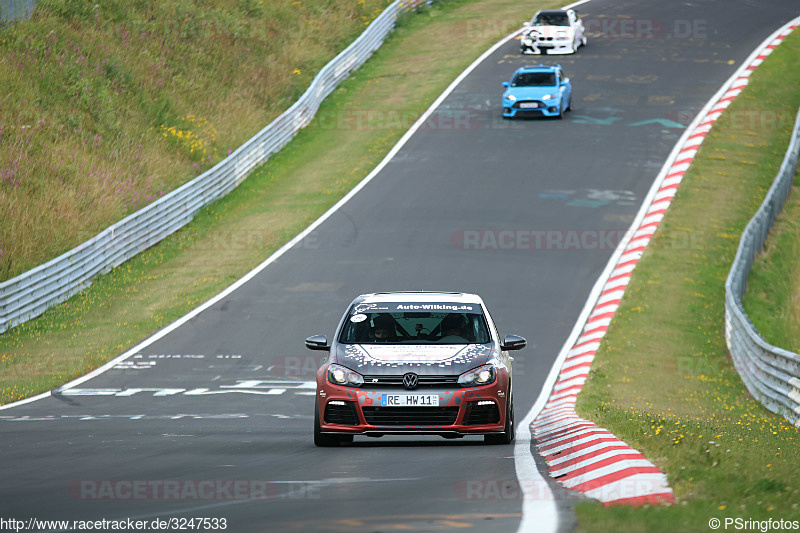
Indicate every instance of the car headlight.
{"type": "Point", "coordinates": [340, 375]}
{"type": "Point", "coordinates": [561, 35]}
{"type": "Point", "coordinates": [478, 376]}
{"type": "Point", "coordinates": [550, 96]}
{"type": "Point", "coordinates": [510, 97]}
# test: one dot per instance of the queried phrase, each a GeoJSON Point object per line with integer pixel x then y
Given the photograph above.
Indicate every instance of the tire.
{"type": "Point", "coordinates": [323, 440]}
{"type": "Point", "coordinates": [509, 431]}
{"type": "Point", "coordinates": [569, 104]}
{"type": "Point", "coordinates": [560, 111]}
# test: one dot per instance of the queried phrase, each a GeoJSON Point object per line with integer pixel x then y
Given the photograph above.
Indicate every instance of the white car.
{"type": "Point", "coordinates": [553, 31]}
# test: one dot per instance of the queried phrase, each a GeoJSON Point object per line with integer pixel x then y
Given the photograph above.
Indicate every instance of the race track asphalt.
{"type": "Point", "coordinates": [524, 213]}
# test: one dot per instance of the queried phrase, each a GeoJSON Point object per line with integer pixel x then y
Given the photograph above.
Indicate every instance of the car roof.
{"type": "Point", "coordinates": [551, 11]}
{"type": "Point", "coordinates": [419, 296]}
{"type": "Point", "coordinates": [540, 68]}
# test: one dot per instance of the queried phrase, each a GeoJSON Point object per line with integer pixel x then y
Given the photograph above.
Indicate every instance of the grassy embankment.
{"type": "Point", "coordinates": [663, 380]}
{"type": "Point", "coordinates": [358, 124]}
{"type": "Point", "coordinates": [106, 107]}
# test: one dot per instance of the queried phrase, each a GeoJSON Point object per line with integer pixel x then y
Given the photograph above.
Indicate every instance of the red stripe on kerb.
{"type": "Point", "coordinates": [554, 435]}
{"type": "Point", "coordinates": [579, 447]}
{"type": "Point", "coordinates": [591, 454]}
{"type": "Point", "coordinates": [586, 364]}
{"type": "Point", "coordinates": [615, 476]}
{"type": "Point", "coordinates": [598, 465]}
{"type": "Point", "coordinates": [608, 314]}
{"type": "Point", "coordinates": [596, 432]}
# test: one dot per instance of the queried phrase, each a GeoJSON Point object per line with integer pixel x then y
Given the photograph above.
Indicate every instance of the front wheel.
{"type": "Point", "coordinates": [509, 430]}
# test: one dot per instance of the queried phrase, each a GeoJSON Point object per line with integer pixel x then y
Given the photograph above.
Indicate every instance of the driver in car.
{"type": "Point", "coordinates": [454, 328]}
{"type": "Point", "coordinates": [383, 329]}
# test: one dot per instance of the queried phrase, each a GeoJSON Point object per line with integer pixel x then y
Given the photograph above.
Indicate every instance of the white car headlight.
{"type": "Point", "coordinates": [510, 97]}
{"type": "Point", "coordinates": [340, 375]}
{"type": "Point", "coordinates": [478, 376]}
{"type": "Point", "coordinates": [561, 35]}
{"type": "Point", "coordinates": [550, 96]}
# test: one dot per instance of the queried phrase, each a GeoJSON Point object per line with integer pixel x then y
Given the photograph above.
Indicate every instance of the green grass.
{"type": "Point", "coordinates": [108, 106]}
{"type": "Point", "coordinates": [663, 380]}
{"type": "Point", "coordinates": [229, 238]}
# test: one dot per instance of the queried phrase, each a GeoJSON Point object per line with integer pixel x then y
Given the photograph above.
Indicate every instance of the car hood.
{"type": "Point", "coordinates": [531, 93]}
{"type": "Point", "coordinates": [550, 31]}
{"type": "Point", "coordinates": [424, 359]}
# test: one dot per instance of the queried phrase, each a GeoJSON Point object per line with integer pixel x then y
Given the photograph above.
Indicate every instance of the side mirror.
{"type": "Point", "coordinates": [565, 81]}
{"type": "Point", "coordinates": [513, 342]}
{"type": "Point", "coordinates": [505, 84]}
{"type": "Point", "coordinates": [526, 24]}
{"type": "Point", "coordinates": [317, 342]}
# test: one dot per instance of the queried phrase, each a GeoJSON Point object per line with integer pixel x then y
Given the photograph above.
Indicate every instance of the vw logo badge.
{"type": "Point", "coordinates": [410, 381]}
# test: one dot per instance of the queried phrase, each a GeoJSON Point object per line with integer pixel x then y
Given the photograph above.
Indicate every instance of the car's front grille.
{"type": "Point", "coordinates": [529, 105]}
{"type": "Point", "coordinates": [481, 412]}
{"type": "Point", "coordinates": [338, 412]}
{"type": "Point", "coordinates": [397, 381]}
{"type": "Point", "coordinates": [410, 416]}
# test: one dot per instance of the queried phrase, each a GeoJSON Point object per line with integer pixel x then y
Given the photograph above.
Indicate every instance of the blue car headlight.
{"type": "Point", "coordinates": [510, 97]}
{"type": "Point", "coordinates": [339, 375]}
{"type": "Point", "coordinates": [550, 96]}
{"type": "Point", "coordinates": [482, 375]}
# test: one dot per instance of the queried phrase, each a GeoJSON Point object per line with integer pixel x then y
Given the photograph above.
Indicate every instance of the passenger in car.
{"type": "Point", "coordinates": [383, 329]}
{"type": "Point", "coordinates": [454, 327]}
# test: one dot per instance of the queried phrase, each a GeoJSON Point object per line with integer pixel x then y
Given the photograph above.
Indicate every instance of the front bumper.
{"type": "Point", "coordinates": [463, 411]}
{"type": "Point", "coordinates": [528, 46]}
{"type": "Point", "coordinates": [548, 108]}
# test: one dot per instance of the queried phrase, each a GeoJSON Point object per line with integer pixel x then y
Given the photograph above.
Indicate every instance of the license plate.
{"type": "Point", "coordinates": [528, 105]}
{"type": "Point", "coordinates": [409, 400]}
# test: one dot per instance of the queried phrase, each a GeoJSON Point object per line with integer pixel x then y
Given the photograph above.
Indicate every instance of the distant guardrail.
{"type": "Point", "coordinates": [16, 9]}
{"type": "Point", "coordinates": [771, 374]}
{"type": "Point", "coordinates": [31, 293]}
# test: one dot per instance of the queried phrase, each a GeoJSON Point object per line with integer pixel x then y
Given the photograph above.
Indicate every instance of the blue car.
{"type": "Point", "coordinates": [537, 91]}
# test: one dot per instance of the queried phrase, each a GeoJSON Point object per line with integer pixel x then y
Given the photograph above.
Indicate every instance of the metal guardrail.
{"type": "Point", "coordinates": [31, 293]}
{"type": "Point", "coordinates": [772, 375]}
{"type": "Point", "coordinates": [16, 9]}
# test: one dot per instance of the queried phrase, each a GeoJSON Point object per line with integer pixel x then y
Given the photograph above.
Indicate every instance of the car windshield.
{"type": "Point", "coordinates": [414, 327]}
{"type": "Point", "coordinates": [534, 79]}
{"type": "Point", "coordinates": [550, 19]}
